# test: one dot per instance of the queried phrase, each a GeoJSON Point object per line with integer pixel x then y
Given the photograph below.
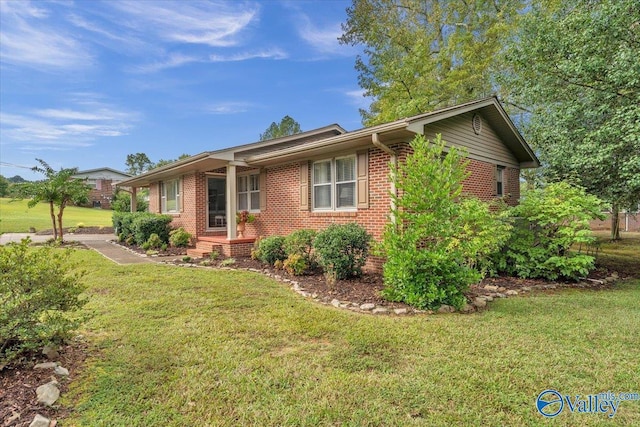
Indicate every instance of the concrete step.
{"type": "Point", "coordinates": [198, 253]}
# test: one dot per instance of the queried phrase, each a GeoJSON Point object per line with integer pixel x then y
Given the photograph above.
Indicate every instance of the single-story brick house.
{"type": "Point", "coordinates": [327, 175]}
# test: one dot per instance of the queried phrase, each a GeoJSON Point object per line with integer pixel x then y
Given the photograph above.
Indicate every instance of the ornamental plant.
{"type": "Point", "coordinates": [245, 217]}
{"type": "Point", "coordinates": [342, 250]}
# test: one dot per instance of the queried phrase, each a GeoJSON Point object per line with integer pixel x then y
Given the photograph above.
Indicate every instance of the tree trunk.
{"type": "Point", "coordinates": [60, 221]}
{"type": "Point", "coordinates": [615, 222]}
{"type": "Point", "coordinates": [53, 220]}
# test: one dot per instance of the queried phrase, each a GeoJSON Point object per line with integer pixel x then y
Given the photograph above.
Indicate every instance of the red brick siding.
{"type": "Point", "coordinates": [103, 193]}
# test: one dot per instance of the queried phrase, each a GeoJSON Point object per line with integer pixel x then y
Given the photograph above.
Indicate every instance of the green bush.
{"type": "Point", "coordinates": [551, 228]}
{"type": "Point", "coordinates": [270, 250]}
{"type": "Point", "coordinates": [145, 224]}
{"type": "Point", "coordinates": [441, 242]}
{"type": "Point", "coordinates": [342, 250]}
{"type": "Point", "coordinates": [296, 264]}
{"type": "Point", "coordinates": [122, 202]}
{"type": "Point", "coordinates": [300, 242]}
{"type": "Point", "coordinates": [180, 238]}
{"type": "Point", "coordinates": [40, 296]}
{"type": "Point", "coordinates": [153, 242]}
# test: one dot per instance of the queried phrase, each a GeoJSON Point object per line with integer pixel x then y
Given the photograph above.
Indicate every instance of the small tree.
{"type": "Point", "coordinates": [138, 163]}
{"type": "Point", "coordinates": [437, 238]}
{"type": "Point", "coordinates": [287, 126]}
{"type": "Point", "coordinates": [58, 189]}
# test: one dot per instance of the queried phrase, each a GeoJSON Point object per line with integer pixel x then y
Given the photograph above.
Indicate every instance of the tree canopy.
{"type": "Point", "coordinates": [421, 55]}
{"type": "Point", "coordinates": [575, 66]}
{"type": "Point", "coordinates": [138, 163]}
{"type": "Point", "coordinates": [287, 126]}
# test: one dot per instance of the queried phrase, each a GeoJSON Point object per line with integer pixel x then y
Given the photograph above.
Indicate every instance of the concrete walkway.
{"type": "Point", "coordinates": [98, 242]}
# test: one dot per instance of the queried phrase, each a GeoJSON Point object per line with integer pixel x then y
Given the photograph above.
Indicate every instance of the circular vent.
{"type": "Point", "coordinates": [476, 122]}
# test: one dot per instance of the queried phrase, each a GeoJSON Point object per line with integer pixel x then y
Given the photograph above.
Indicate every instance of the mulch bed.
{"type": "Point", "coordinates": [18, 383]}
{"type": "Point", "coordinates": [169, 252]}
{"type": "Point", "coordinates": [78, 230]}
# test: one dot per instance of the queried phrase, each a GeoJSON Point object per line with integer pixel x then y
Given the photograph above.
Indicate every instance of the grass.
{"type": "Point", "coordinates": [621, 255]}
{"type": "Point", "coordinates": [16, 217]}
{"type": "Point", "coordinates": [181, 346]}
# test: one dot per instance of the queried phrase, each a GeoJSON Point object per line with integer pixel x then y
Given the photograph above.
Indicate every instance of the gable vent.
{"type": "Point", "coordinates": [476, 122]}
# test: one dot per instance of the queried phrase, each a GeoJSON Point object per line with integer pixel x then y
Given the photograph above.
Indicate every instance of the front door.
{"type": "Point", "coordinates": [217, 202]}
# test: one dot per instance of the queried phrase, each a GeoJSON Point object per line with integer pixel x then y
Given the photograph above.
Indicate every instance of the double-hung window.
{"type": "Point", "coordinates": [170, 196]}
{"type": "Point", "coordinates": [500, 181]}
{"type": "Point", "coordinates": [334, 184]}
{"type": "Point", "coordinates": [249, 193]}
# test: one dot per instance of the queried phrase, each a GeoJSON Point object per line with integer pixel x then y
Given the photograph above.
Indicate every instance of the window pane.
{"type": "Point", "coordinates": [322, 196]}
{"type": "Point", "coordinates": [345, 169]}
{"type": "Point", "coordinates": [255, 182]}
{"type": "Point", "coordinates": [346, 195]}
{"type": "Point", "coordinates": [322, 172]}
{"type": "Point", "coordinates": [172, 190]}
{"type": "Point", "coordinates": [242, 202]}
{"type": "Point", "coordinates": [242, 183]}
{"type": "Point", "coordinates": [255, 200]}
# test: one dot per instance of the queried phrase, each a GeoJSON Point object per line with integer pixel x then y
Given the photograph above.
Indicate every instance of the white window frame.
{"type": "Point", "coordinates": [163, 195]}
{"type": "Point", "coordinates": [500, 180]}
{"type": "Point", "coordinates": [333, 183]}
{"type": "Point", "coordinates": [249, 192]}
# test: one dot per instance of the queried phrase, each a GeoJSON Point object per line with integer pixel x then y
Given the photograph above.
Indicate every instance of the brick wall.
{"type": "Point", "coordinates": [102, 195]}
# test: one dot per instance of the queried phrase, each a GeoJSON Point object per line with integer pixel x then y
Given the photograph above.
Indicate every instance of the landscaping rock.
{"type": "Point", "coordinates": [488, 298]}
{"type": "Point", "coordinates": [446, 309]}
{"type": "Point", "coordinates": [467, 308]}
{"type": "Point", "coordinates": [400, 311]}
{"type": "Point", "coordinates": [502, 289]}
{"type": "Point", "coordinates": [40, 421]}
{"type": "Point", "coordinates": [511, 292]}
{"type": "Point", "coordinates": [491, 288]}
{"type": "Point", "coordinates": [46, 365]}
{"type": "Point", "coordinates": [526, 289]}
{"type": "Point", "coordinates": [368, 306]}
{"type": "Point", "coordinates": [51, 352]}
{"type": "Point", "coordinates": [61, 371]}
{"type": "Point", "coordinates": [480, 302]}
{"type": "Point", "coordinates": [335, 303]}
{"type": "Point", "coordinates": [379, 310]}
{"type": "Point", "coordinates": [500, 295]}
{"type": "Point", "coordinates": [48, 393]}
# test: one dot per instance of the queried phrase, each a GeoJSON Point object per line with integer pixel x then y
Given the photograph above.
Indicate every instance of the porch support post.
{"type": "Point", "coordinates": [231, 201]}
{"type": "Point", "coordinates": [134, 199]}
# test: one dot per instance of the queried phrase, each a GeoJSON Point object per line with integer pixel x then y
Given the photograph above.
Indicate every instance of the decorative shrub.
{"type": "Point", "coordinates": [146, 224]}
{"type": "Point", "coordinates": [180, 238]}
{"type": "Point", "coordinates": [153, 242]}
{"type": "Point", "coordinates": [227, 262]}
{"type": "Point", "coordinates": [271, 250]}
{"type": "Point", "coordinates": [296, 264]}
{"type": "Point", "coordinates": [40, 293]}
{"type": "Point", "coordinates": [439, 238]}
{"type": "Point", "coordinates": [300, 242]}
{"type": "Point", "coordinates": [342, 249]}
{"type": "Point", "coordinates": [245, 217]}
{"type": "Point", "coordinates": [549, 224]}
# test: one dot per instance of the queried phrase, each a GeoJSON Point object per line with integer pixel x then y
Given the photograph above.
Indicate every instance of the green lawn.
{"type": "Point", "coordinates": [16, 217]}
{"type": "Point", "coordinates": [179, 346]}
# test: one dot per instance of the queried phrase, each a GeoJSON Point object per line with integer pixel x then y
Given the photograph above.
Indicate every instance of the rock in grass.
{"type": "Point", "coordinates": [47, 393]}
{"type": "Point", "coordinates": [367, 306]}
{"type": "Point", "coordinates": [61, 371]}
{"type": "Point", "coordinates": [446, 309]}
{"type": "Point", "coordinates": [46, 365]}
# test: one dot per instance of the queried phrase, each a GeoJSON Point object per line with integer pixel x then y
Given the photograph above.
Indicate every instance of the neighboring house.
{"type": "Point", "coordinates": [102, 182]}
{"type": "Point", "coordinates": [327, 175]}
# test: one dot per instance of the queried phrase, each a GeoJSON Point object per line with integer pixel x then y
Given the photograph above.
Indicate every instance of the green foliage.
{"type": "Point", "coordinates": [180, 238]}
{"type": "Point", "coordinates": [138, 163]}
{"type": "Point", "coordinates": [438, 239]}
{"type": "Point", "coordinates": [39, 293]}
{"type": "Point", "coordinates": [552, 226]}
{"type": "Point", "coordinates": [270, 250]}
{"type": "Point", "coordinates": [227, 262]}
{"type": "Point", "coordinates": [423, 55]}
{"type": "Point", "coordinates": [287, 126]}
{"type": "Point", "coordinates": [153, 242]}
{"type": "Point", "coordinates": [300, 242]}
{"type": "Point", "coordinates": [186, 258]}
{"type": "Point", "coordinates": [342, 249]}
{"type": "Point", "coordinates": [139, 226]}
{"type": "Point", "coordinates": [295, 264]}
{"type": "Point", "coordinates": [214, 255]}
{"type": "Point", "coordinates": [122, 202]}
{"type": "Point", "coordinates": [575, 68]}
{"type": "Point", "coordinates": [4, 186]}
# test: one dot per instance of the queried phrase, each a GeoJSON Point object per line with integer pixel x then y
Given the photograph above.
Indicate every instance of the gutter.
{"type": "Point", "coordinates": [375, 139]}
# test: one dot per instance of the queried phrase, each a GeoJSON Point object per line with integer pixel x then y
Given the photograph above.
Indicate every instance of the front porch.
{"type": "Point", "coordinates": [237, 247]}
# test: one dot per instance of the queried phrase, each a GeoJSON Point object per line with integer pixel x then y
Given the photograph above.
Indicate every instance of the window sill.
{"type": "Point", "coordinates": [334, 213]}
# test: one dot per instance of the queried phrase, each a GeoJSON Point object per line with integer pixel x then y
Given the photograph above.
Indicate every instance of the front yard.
{"type": "Point", "coordinates": [178, 346]}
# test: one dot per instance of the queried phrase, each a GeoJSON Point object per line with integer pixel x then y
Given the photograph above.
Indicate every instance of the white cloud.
{"type": "Point", "coordinates": [323, 40]}
{"type": "Point", "coordinates": [227, 108]}
{"type": "Point", "coordinates": [28, 38]}
{"type": "Point", "coordinates": [64, 128]}
{"type": "Point", "coordinates": [216, 24]}
{"type": "Point", "coordinates": [244, 56]}
{"type": "Point", "coordinates": [358, 98]}
{"type": "Point", "coordinates": [172, 61]}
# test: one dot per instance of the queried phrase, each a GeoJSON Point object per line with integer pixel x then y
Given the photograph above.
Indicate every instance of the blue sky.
{"type": "Point", "coordinates": [84, 83]}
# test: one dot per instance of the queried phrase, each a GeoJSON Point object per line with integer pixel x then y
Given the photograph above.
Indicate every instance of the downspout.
{"type": "Point", "coordinates": [375, 139]}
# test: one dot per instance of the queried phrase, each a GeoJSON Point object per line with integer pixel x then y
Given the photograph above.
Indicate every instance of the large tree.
{"type": "Point", "coordinates": [58, 190]}
{"type": "Point", "coordinates": [421, 55]}
{"type": "Point", "coordinates": [287, 126]}
{"type": "Point", "coordinates": [163, 162]}
{"type": "Point", "coordinates": [576, 68]}
{"type": "Point", "coordinates": [138, 163]}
